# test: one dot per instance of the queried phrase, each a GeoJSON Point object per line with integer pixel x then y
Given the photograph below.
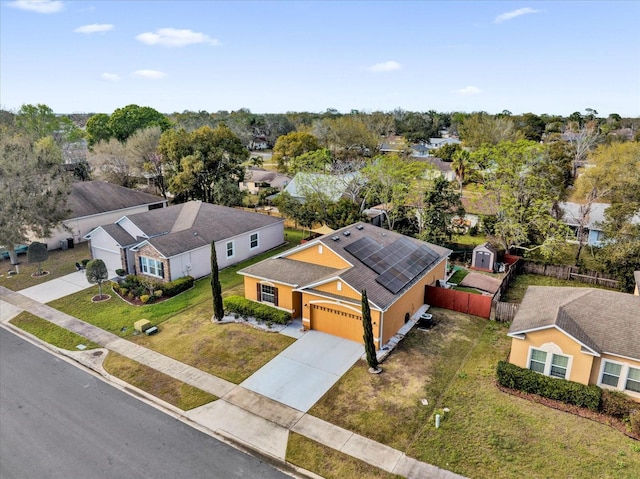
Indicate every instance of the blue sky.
{"type": "Point", "coordinates": [271, 57]}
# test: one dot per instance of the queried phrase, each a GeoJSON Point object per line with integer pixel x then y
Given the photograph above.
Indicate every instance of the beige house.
{"type": "Point", "coordinates": [590, 336]}
{"type": "Point", "coordinates": [321, 281]}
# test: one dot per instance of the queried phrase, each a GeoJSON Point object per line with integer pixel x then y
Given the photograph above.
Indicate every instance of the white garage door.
{"type": "Point", "coordinates": [110, 258]}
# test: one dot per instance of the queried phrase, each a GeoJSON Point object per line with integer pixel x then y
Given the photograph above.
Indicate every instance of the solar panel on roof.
{"type": "Point", "coordinates": [363, 248]}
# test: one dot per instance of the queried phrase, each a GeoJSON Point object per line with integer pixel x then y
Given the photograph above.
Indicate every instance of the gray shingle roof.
{"type": "Point", "coordinates": [212, 223]}
{"type": "Point", "coordinates": [93, 197]}
{"type": "Point", "coordinates": [119, 234]}
{"type": "Point", "coordinates": [358, 276]}
{"type": "Point", "coordinates": [605, 321]}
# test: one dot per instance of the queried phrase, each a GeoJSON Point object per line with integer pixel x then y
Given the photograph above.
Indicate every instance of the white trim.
{"type": "Point", "coordinates": [226, 249]}
{"type": "Point", "coordinates": [622, 378]}
{"type": "Point", "coordinates": [623, 357]}
{"type": "Point", "coordinates": [346, 300]}
{"type": "Point", "coordinates": [310, 244]}
{"type": "Point", "coordinates": [257, 235]}
{"type": "Point", "coordinates": [262, 279]}
{"type": "Point", "coordinates": [337, 303]}
{"type": "Point", "coordinates": [555, 326]}
{"type": "Point", "coordinates": [550, 349]}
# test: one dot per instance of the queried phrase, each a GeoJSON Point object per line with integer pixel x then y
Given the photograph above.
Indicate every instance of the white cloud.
{"type": "Point", "coordinates": [503, 17]}
{"type": "Point", "coordinates": [385, 67]}
{"type": "Point", "coordinates": [94, 28]}
{"type": "Point", "coordinates": [38, 6]}
{"type": "Point", "coordinates": [171, 37]}
{"type": "Point", "coordinates": [149, 74]}
{"type": "Point", "coordinates": [110, 77]}
{"type": "Point", "coordinates": [469, 90]}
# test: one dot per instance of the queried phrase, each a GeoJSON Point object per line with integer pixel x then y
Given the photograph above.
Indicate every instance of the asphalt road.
{"type": "Point", "coordinates": [57, 421]}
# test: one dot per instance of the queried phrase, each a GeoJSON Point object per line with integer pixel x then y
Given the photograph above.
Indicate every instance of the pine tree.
{"type": "Point", "coordinates": [216, 288]}
{"type": "Point", "coordinates": [369, 345]}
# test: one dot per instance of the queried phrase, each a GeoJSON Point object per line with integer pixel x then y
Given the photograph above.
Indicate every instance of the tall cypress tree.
{"type": "Point", "coordinates": [216, 288]}
{"type": "Point", "coordinates": [369, 346]}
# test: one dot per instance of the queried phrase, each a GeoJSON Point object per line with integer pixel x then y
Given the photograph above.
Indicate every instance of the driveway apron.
{"type": "Point", "coordinates": [301, 374]}
{"type": "Point", "coordinates": [60, 287]}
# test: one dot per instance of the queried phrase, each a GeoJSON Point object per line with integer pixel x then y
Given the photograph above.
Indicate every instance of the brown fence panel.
{"type": "Point", "coordinates": [505, 312]}
{"type": "Point", "coordinates": [460, 301]}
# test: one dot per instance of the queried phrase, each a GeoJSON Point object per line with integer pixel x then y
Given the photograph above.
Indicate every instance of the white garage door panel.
{"type": "Point", "coordinates": [111, 259]}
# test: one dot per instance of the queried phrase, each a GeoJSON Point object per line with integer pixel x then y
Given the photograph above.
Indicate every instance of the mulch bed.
{"type": "Point", "coordinates": [100, 298]}
{"type": "Point", "coordinates": [42, 274]}
{"type": "Point", "coordinates": [576, 410]}
{"type": "Point", "coordinates": [137, 302]}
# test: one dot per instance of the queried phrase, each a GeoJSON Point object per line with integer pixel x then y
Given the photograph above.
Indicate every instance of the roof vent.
{"type": "Point", "coordinates": [359, 227]}
{"type": "Point", "coordinates": [335, 238]}
{"type": "Point", "coordinates": [346, 233]}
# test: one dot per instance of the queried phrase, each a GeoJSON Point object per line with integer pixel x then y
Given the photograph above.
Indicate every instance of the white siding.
{"type": "Point", "coordinates": [127, 225]}
{"type": "Point", "coordinates": [104, 247]}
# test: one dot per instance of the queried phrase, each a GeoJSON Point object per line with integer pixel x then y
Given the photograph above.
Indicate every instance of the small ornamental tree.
{"type": "Point", "coordinates": [97, 273]}
{"type": "Point", "coordinates": [369, 345]}
{"type": "Point", "coordinates": [216, 288]}
{"type": "Point", "coordinates": [37, 253]}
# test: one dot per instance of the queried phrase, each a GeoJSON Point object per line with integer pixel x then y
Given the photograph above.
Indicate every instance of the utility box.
{"type": "Point", "coordinates": [141, 325]}
{"type": "Point", "coordinates": [69, 243]}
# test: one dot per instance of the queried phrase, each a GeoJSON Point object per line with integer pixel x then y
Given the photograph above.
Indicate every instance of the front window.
{"type": "Point", "coordinates": [633, 380]}
{"type": "Point", "coordinates": [611, 374]}
{"type": "Point", "coordinates": [267, 293]}
{"type": "Point", "coordinates": [152, 267]}
{"type": "Point", "coordinates": [254, 240]}
{"type": "Point", "coordinates": [559, 366]}
{"type": "Point", "coordinates": [230, 249]}
{"type": "Point", "coordinates": [538, 360]}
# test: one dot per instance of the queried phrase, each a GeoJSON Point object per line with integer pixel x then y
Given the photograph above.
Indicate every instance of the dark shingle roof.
{"type": "Point", "coordinates": [605, 321]}
{"type": "Point", "coordinates": [119, 234]}
{"type": "Point", "coordinates": [288, 271]}
{"type": "Point", "coordinates": [211, 223]}
{"type": "Point", "coordinates": [93, 197]}
{"type": "Point", "coordinates": [359, 276]}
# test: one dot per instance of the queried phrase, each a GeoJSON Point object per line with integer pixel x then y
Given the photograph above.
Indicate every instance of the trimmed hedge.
{"type": "Point", "coordinates": [177, 286]}
{"type": "Point", "coordinates": [514, 377]}
{"type": "Point", "coordinates": [617, 404]}
{"type": "Point", "coordinates": [262, 312]}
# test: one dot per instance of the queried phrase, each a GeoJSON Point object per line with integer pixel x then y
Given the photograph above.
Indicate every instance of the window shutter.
{"type": "Point", "coordinates": [161, 269]}
{"type": "Point", "coordinates": [140, 264]}
{"type": "Point", "coordinates": [275, 296]}
{"type": "Point", "coordinates": [259, 292]}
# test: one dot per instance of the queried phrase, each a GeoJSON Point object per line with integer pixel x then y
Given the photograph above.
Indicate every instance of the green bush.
{"type": "Point", "coordinates": [617, 404]}
{"type": "Point", "coordinates": [158, 293]}
{"type": "Point", "coordinates": [144, 298]}
{"type": "Point", "coordinates": [569, 392]}
{"type": "Point", "coordinates": [84, 262]}
{"type": "Point", "coordinates": [634, 422]}
{"type": "Point", "coordinates": [120, 272]}
{"type": "Point", "coordinates": [178, 286]}
{"type": "Point", "coordinates": [262, 312]}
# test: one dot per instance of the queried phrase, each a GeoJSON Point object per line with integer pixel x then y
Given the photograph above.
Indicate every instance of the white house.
{"type": "Point", "coordinates": [94, 203]}
{"type": "Point", "coordinates": [172, 242]}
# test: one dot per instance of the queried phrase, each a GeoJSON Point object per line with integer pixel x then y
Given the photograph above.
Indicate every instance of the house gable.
{"type": "Point", "coordinates": [320, 254]}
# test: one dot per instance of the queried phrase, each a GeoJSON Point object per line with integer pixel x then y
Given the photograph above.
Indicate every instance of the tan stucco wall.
{"type": "Point", "coordinates": [332, 287]}
{"type": "Point", "coordinates": [312, 254]}
{"type": "Point", "coordinates": [409, 303]}
{"type": "Point", "coordinates": [285, 293]}
{"type": "Point", "coordinates": [581, 364]}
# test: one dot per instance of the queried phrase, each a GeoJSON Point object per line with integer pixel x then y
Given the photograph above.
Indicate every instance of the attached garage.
{"type": "Point", "coordinates": [110, 258]}
{"type": "Point", "coordinates": [342, 322]}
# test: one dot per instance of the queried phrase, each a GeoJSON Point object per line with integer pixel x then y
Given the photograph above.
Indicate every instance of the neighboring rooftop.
{"type": "Point", "coordinates": [94, 197]}
{"type": "Point", "coordinates": [604, 321]}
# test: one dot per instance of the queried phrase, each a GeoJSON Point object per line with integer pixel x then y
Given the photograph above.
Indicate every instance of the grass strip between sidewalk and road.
{"type": "Point", "coordinates": [156, 383]}
{"type": "Point", "coordinates": [51, 333]}
{"type": "Point", "coordinates": [328, 462]}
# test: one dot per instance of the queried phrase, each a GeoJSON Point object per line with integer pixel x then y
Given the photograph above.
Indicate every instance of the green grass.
{"type": "Point", "coordinates": [328, 462]}
{"type": "Point", "coordinates": [170, 390]}
{"type": "Point", "coordinates": [59, 263]}
{"type": "Point", "coordinates": [50, 333]}
{"type": "Point", "coordinates": [118, 316]}
{"type": "Point", "coordinates": [387, 407]}
{"type": "Point", "coordinates": [518, 287]}
{"type": "Point", "coordinates": [492, 434]}
{"type": "Point", "coordinates": [458, 276]}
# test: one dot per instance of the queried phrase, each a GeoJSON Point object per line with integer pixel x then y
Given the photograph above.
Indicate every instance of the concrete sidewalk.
{"type": "Point", "coordinates": [242, 415]}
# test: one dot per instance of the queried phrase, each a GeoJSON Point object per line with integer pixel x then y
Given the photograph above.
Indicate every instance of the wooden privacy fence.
{"type": "Point", "coordinates": [569, 273]}
{"type": "Point", "coordinates": [460, 301]}
{"type": "Point", "coordinates": [504, 312]}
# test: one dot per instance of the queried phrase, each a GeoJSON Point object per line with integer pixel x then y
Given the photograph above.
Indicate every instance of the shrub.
{"type": "Point", "coordinates": [84, 262]}
{"type": "Point", "coordinates": [123, 291]}
{"type": "Point", "coordinates": [617, 404]}
{"type": "Point", "coordinates": [120, 272]}
{"type": "Point", "coordinates": [634, 422]}
{"type": "Point", "coordinates": [144, 298]}
{"type": "Point", "coordinates": [158, 293]}
{"type": "Point", "coordinates": [262, 312]}
{"type": "Point", "coordinates": [178, 286]}
{"type": "Point", "coordinates": [569, 392]}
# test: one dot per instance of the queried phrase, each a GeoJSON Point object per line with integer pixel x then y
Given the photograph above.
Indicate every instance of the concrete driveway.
{"type": "Point", "coordinates": [301, 374]}
{"type": "Point", "coordinates": [60, 287]}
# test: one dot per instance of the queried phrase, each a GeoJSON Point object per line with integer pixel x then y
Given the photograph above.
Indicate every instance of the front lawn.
{"type": "Point", "coordinates": [168, 389]}
{"type": "Point", "coordinates": [487, 433]}
{"type": "Point", "coordinates": [59, 263]}
{"type": "Point", "coordinates": [51, 333]}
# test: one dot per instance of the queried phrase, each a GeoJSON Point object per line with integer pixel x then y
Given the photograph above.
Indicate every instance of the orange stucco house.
{"type": "Point", "coordinates": [321, 281]}
{"type": "Point", "coordinates": [590, 336]}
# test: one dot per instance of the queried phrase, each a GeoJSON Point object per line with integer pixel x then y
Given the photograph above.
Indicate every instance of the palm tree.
{"type": "Point", "coordinates": [460, 164]}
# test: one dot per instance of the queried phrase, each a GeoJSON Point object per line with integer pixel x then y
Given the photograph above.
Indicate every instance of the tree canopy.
{"type": "Point", "coordinates": [34, 189]}
{"type": "Point", "coordinates": [291, 146]}
{"type": "Point", "coordinates": [123, 123]}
